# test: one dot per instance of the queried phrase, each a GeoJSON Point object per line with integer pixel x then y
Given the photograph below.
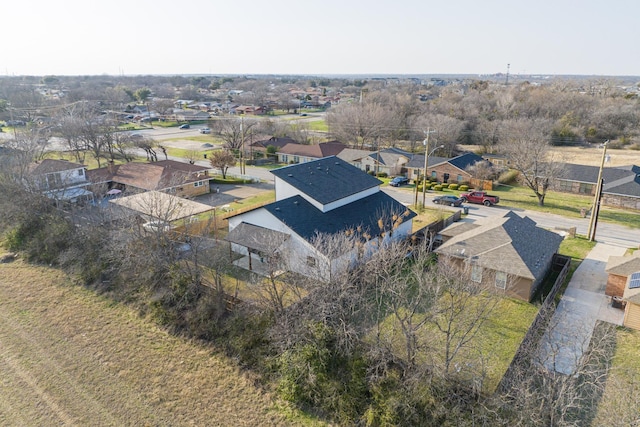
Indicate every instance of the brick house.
{"type": "Point", "coordinates": [180, 179]}
{"type": "Point", "coordinates": [444, 170]}
{"type": "Point", "coordinates": [623, 283]}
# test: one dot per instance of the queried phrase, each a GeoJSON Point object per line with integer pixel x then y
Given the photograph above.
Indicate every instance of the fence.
{"type": "Point", "coordinates": [561, 265]}
{"type": "Point", "coordinates": [429, 231]}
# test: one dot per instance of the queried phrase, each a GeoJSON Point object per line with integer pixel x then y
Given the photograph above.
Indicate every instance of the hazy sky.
{"type": "Point", "coordinates": [72, 37]}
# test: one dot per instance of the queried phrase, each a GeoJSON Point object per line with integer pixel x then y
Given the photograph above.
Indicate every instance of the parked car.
{"type": "Point", "coordinates": [448, 200]}
{"type": "Point", "coordinates": [398, 181]}
{"type": "Point", "coordinates": [184, 126]}
{"type": "Point", "coordinates": [480, 197]}
{"type": "Point", "coordinates": [205, 130]}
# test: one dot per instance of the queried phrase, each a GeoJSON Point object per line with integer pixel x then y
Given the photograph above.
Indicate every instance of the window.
{"type": "Point", "coordinates": [586, 188]}
{"type": "Point", "coordinates": [296, 159]}
{"type": "Point", "coordinates": [285, 158]}
{"type": "Point", "coordinates": [416, 172]}
{"type": "Point", "coordinates": [501, 280]}
{"type": "Point", "coordinates": [434, 175]}
{"type": "Point", "coordinates": [459, 178]}
{"type": "Point", "coordinates": [311, 261]}
{"type": "Point", "coordinates": [198, 184]}
{"type": "Point", "coordinates": [80, 172]}
{"type": "Point", "coordinates": [476, 273]}
{"type": "Point", "coordinates": [566, 186]}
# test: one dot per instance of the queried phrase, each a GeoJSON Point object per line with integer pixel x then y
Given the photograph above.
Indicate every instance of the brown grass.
{"type": "Point", "coordinates": [69, 357]}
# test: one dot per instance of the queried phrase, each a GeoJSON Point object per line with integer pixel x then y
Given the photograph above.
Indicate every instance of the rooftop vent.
{"type": "Point", "coordinates": [290, 175]}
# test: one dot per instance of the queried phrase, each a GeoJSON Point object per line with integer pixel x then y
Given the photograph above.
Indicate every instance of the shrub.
{"type": "Point", "coordinates": [464, 187]}
{"type": "Point", "coordinates": [428, 186]}
{"type": "Point", "coordinates": [508, 177]}
{"type": "Point", "coordinates": [444, 185]}
{"type": "Point", "coordinates": [437, 187]}
{"type": "Point", "coordinates": [382, 175]}
{"type": "Point", "coordinates": [453, 186]}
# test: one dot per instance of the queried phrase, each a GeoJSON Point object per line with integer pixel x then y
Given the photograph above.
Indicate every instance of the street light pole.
{"type": "Point", "coordinates": [591, 234]}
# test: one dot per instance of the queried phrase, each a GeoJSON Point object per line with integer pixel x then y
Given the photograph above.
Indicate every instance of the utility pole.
{"type": "Point", "coordinates": [591, 234]}
{"type": "Point", "coordinates": [426, 157]}
{"type": "Point", "coordinates": [507, 81]}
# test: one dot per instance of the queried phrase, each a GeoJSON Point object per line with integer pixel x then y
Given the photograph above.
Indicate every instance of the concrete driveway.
{"type": "Point", "coordinates": [583, 303]}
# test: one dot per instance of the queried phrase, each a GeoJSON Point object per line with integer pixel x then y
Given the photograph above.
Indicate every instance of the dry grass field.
{"type": "Point", "coordinates": [593, 156]}
{"type": "Point", "coordinates": [69, 357]}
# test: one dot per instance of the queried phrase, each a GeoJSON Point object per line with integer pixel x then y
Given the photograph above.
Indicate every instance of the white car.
{"type": "Point", "coordinates": [205, 130]}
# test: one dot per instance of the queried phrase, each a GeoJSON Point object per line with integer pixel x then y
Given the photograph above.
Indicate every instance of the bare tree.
{"type": "Point", "coordinates": [223, 160]}
{"type": "Point", "coordinates": [359, 124]}
{"type": "Point", "coordinates": [526, 144]}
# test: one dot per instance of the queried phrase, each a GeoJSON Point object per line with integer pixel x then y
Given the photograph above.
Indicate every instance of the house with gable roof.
{"type": "Point", "coordinates": [178, 178]}
{"type": "Point", "coordinates": [506, 252]}
{"type": "Point", "coordinates": [327, 196]}
{"type": "Point", "coordinates": [623, 283]}
{"type": "Point", "coordinates": [389, 160]}
{"type": "Point", "coordinates": [60, 180]}
{"type": "Point", "coordinates": [442, 169]}
{"type": "Point", "coordinates": [621, 184]}
{"type": "Point", "coordinates": [301, 153]}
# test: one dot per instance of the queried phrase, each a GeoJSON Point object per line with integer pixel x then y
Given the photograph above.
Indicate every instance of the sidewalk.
{"type": "Point", "coordinates": [582, 304]}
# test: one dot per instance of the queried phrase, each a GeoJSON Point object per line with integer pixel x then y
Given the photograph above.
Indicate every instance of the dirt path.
{"type": "Point", "coordinates": [68, 357]}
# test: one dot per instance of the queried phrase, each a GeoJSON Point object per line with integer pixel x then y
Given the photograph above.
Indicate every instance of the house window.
{"type": "Point", "coordinates": [585, 188]}
{"type": "Point", "coordinates": [311, 261]}
{"type": "Point", "coordinates": [434, 175]}
{"type": "Point", "coordinates": [501, 280]}
{"type": "Point", "coordinates": [80, 172]}
{"type": "Point", "coordinates": [198, 184]}
{"type": "Point", "coordinates": [459, 178]}
{"type": "Point", "coordinates": [476, 273]}
{"type": "Point", "coordinates": [296, 159]}
{"type": "Point", "coordinates": [285, 158]}
{"type": "Point", "coordinates": [565, 186]}
{"type": "Point", "coordinates": [416, 172]}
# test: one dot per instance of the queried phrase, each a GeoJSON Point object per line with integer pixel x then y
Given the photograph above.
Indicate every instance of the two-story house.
{"type": "Point", "coordinates": [60, 180]}
{"type": "Point", "coordinates": [325, 197]}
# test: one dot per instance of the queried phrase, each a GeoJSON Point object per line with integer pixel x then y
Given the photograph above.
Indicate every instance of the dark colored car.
{"type": "Point", "coordinates": [184, 126]}
{"type": "Point", "coordinates": [448, 200]}
{"type": "Point", "coordinates": [398, 181]}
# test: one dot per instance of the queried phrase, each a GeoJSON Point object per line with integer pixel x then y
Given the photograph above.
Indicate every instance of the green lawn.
{"type": "Point", "coordinates": [620, 403]}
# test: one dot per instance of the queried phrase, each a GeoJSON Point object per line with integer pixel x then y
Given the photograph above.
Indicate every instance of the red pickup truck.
{"type": "Point", "coordinates": [480, 197]}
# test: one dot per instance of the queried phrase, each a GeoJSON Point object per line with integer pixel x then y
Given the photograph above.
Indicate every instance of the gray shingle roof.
{"type": "Point", "coordinates": [307, 221]}
{"type": "Point", "coordinates": [623, 180]}
{"type": "Point", "coordinates": [465, 160]}
{"type": "Point", "coordinates": [326, 180]}
{"type": "Point", "coordinates": [508, 243]}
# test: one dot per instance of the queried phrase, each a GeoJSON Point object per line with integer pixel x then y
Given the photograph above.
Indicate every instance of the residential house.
{"type": "Point", "coordinates": [190, 115]}
{"type": "Point", "coordinates": [60, 180]}
{"type": "Point", "coordinates": [389, 160]}
{"type": "Point", "coordinates": [455, 170]}
{"type": "Point", "coordinates": [252, 110]}
{"type": "Point", "coordinates": [299, 153]}
{"type": "Point", "coordinates": [506, 252]}
{"type": "Point", "coordinates": [621, 184]}
{"type": "Point", "coordinates": [320, 197]}
{"type": "Point", "coordinates": [623, 284]}
{"type": "Point", "coordinates": [160, 206]}
{"type": "Point", "coordinates": [181, 179]}
{"type": "Point", "coordinates": [277, 142]}
{"type": "Point", "coordinates": [415, 166]}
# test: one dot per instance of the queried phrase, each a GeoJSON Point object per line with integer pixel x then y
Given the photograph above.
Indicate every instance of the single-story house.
{"type": "Point", "coordinates": [323, 197]}
{"type": "Point", "coordinates": [505, 252]}
{"type": "Point", "coordinates": [623, 283]}
{"type": "Point", "coordinates": [181, 179]}
{"type": "Point", "coordinates": [621, 184]}
{"type": "Point", "coordinates": [444, 170]}
{"type": "Point", "coordinates": [190, 115]}
{"type": "Point", "coordinates": [277, 142]}
{"type": "Point", "coordinates": [299, 153]}
{"type": "Point", "coordinates": [389, 160]}
{"type": "Point", "coordinates": [160, 206]}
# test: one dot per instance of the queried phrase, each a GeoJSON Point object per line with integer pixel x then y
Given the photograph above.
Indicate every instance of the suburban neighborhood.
{"type": "Point", "coordinates": [340, 266]}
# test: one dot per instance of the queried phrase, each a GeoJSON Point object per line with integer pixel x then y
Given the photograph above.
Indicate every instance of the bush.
{"type": "Point", "coordinates": [508, 177]}
{"type": "Point", "coordinates": [464, 188]}
{"type": "Point", "coordinates": [453, 186]}
{"type": "Point", "coordinates": [444, 185]}
{"type": "Point", "coordinates": [382, 175]}
{"type": "Point", "coordinates": [428, 186]}
{"type": "Point", "coordinates": [437, 187]}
